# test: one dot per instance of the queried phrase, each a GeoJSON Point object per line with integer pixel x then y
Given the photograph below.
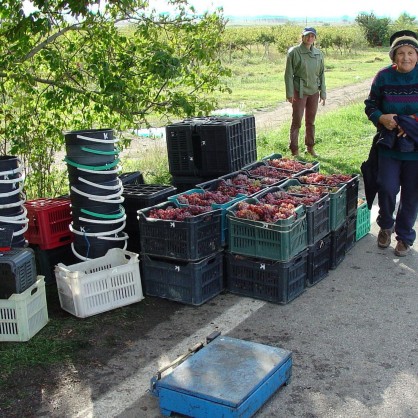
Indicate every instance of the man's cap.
{"type": "Point", "coordinates": [307, 31]}
{"type": "Point", "coordinates": [402, 38]}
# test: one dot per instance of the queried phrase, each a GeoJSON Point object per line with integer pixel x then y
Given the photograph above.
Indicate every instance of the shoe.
{"type": "Point", "coordinates": [402, 249]}
{"type": "Point", "coordinates": [384, 237]}
{"type": "Point", "coordinates": [312, 152]}
{"type": "Point", "coordinates": [295, 153]}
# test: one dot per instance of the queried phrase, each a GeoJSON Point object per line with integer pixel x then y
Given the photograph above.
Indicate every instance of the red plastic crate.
{"type": "Point", "coordinates": [49, 221]}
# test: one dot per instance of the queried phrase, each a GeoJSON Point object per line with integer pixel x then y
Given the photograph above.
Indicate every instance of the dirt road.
{"type": "Point", "coordinates": [336, 98]}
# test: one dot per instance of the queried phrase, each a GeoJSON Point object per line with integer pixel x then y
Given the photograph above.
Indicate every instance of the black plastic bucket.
{"type": "Point", "coordinates": [10, 173]}
{"type": "Point", "coordinates": [14, 211]}
{"type": "Point", "coordinates": [91, 247]}
{"type": "Point", "coordinates": [18, 233]}
{"type": "Point", "coordinates": [91, 159]}
{"type": "Point", "coordinates": [100, 212]}
{"type": "Point", "coordinates": [90, 174]}
{"type": "Point", "coordinates": [85, 196]}
{"type": "Point", "coordinates": [91, 137]}
{"type": "Point", "coordinates": [92, 226]}
{"type": "Point", "coordinates": [13, 198]}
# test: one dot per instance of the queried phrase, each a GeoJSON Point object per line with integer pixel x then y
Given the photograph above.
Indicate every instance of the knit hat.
{"type": "Point", "coordinates": [402, 38]}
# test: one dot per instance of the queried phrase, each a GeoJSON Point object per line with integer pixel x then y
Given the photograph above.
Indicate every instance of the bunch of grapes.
{"type": "Point", "coordinates": [204, 199]}
{"type": "Point", "coordinates": [266, 171]}
{"type": "Point", "coordinates": [289, 164]}
{"type": "Point", "coordinates": [279, 198]}
{"type": "Point", "coordinates": [247, 185]}
{"type": "Point", "coordinates": [327, 179]}
{"type": "Point", "coordinates": [308, 189]}
{"type": "Point", "coordinates": [171, 213]}
{"type": "Point", "coordinates": [264, 212]}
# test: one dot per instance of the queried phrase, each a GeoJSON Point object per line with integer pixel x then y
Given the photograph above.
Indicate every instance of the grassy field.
{"type": "Point", "coordinates": [343, 137]}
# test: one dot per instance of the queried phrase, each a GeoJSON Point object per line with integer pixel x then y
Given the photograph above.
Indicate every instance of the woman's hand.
{"type": "Point", "coordinates": [388, 121]}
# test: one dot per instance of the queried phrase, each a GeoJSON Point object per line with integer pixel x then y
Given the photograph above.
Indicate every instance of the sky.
{"type": "Point", "coordinates": [308, 8]}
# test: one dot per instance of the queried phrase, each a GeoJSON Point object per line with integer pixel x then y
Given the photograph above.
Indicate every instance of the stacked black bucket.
{"type": "Point", "coordinates": [13, 219]}
{"type": "Point", "coordinates": [96, 192]}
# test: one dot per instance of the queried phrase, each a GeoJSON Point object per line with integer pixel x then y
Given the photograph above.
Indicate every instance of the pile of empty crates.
{"type": "Point", "coordinates": [200, 149]}
{"type": "Point", "coordinates": [23, 306]}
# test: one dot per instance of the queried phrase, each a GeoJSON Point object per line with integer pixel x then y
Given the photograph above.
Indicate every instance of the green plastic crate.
{"type": "Point", "coordinates": [363, 220]}
{"type": "Point", "coordinates": [279, 241]}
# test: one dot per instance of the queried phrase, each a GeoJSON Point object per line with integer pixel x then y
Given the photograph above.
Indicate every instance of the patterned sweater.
{"type": "Point", "coordinates": [393, 92]}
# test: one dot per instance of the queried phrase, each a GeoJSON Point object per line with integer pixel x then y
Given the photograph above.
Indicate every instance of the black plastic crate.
{"type": "Point", "coordinates": [46, 260]}
{"type": "Point", "coordinates": [191, 283]}
{"type": "Point", "coordinates": [182, 141]}
{"type": "Point", "coordinates": [17, 271]}
{"type": "Point", "coordinates": [319, 260]}
{"type": "Point", "coordinates": [221, 147]}
{"type": "Point", "coordinates": [299, 165]}
{"type": "Point", "coordinates": [191, 239]}
{"type": "Point", "coordinates": [249, 137]}
{"type": "Point", "coordinates": [184, 183]}
{"type": "Point", "coordinates": [259, 170]}
{"type": "Point", "coordinates": [338, 245]}
{"type": "Point", "coordinates": [272, 281]}
{"type": "Point", "coordinates": [352, 195]}
{"type": "Point", "coordinates": [351, 232]}
{"type": "Point", "coordinates": [140, 196]}
{"type": "Point", "coordinates": [134, 177]}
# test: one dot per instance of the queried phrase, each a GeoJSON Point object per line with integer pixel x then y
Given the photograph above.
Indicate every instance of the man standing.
{"type": "Point", "coordinates": [305, 88]}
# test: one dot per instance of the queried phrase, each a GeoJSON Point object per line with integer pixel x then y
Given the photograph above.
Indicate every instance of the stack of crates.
{"type": "Point", "coordinates": [23, 308]}
{"type": "Point", "coordinates": [319, 236]}
{"type": "Point", "coordinates": [140, 196]}
{"type": "Point", "coordinates": [49, 233]}
{"type": "Point", "coordinates": [181, 260]}
{"type": "Point", "coordinates": [200, 149]}
{"type": "Point", "coordinates": [267, 261]}
{"type": "Point", "coordinates": [343, 212]}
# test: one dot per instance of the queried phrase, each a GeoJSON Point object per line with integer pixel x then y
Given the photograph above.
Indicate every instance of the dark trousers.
{"type": "Point", "coordinates": [309, 106]}
{"type": "Point", "coordinates": [394, 176]}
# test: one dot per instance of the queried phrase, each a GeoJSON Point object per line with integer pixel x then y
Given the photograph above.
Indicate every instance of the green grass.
{"type": "Point", "coordinates": [257, 81]}
{"type": "Point", "coordinates": [343, 140]}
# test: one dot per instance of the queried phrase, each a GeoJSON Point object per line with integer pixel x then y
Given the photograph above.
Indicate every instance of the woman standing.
{"type": "Point", "coordinates": [305, 88]}
{"type": "Point", "coordinates": [394, 92]}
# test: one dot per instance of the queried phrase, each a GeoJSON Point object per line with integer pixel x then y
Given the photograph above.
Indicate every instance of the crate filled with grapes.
{"type": "Point", "coordinates": [296, 166]}
{"type": "Point", "coordinates": [275, 232]}
{"type": "Point", "coordinates": [250, 184]}
{"type": "Point", "coordinates": [317, 207]}
{"type": "Point", "coordinates": [260, 170]}
{"type": "Point", "coordinates": [337, 195]}
{"type": "Point", "coordinates": [187, 233]}
{"type": "Point", "coordinates": [350, 181]}
{"type": "Point", "coordinates": [269, 280]}
{"type": "Point", "coordinates": [221, 198]}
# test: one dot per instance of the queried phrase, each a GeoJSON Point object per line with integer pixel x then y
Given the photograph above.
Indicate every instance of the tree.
{"type": "Point", "coordinates": [376, 30]}
{"type": "Point", "coordinates": [73, 64]}
{"type": "Point", "coordinates": [404, 21]}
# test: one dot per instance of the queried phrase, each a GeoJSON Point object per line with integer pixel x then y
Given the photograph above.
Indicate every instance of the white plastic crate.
{"type": "Point", "coordinates": [22, 315]}
{"type": "Point", "coordinates": [100, 284]}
